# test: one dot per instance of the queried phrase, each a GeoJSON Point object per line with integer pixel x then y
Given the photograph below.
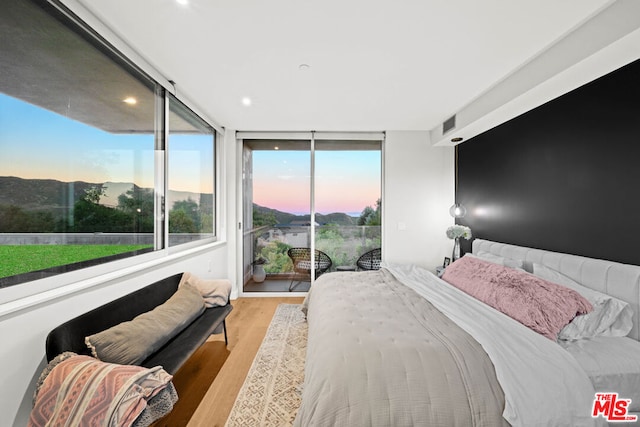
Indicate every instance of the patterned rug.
{"type": "Point", "coordinates": [270, 395]}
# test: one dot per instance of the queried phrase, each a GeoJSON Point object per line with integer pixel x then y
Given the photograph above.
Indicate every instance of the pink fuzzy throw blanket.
{"type": "Point", "coordinates": [543, 306]}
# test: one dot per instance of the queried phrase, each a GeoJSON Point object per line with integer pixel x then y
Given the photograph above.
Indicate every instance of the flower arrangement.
{"type": "Point", "coordinates": [458, 231]}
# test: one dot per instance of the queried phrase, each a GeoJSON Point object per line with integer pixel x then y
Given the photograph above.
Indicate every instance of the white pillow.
{"type": "Point", "coordinates": [215, 292]}
{"type": "Point", "coordinates": [610, 316]}
{"type": "Point", "coordinates": [496, 259]}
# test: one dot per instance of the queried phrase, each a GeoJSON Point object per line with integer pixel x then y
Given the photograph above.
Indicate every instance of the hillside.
{"type": "Point", "coordinates": [40, 194]}
{"type": "Point", "coordinates": [285, 218]}
{"type": "Point", "coordinates": [57, 196]}
{"type": "Point", "coordinates": [49, 195]}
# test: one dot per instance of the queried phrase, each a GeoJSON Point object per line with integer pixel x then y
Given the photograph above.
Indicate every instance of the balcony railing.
{"type": "Point", "coordinates": [343, 244]}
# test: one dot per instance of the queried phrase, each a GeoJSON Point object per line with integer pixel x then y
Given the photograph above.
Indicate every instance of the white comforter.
{"type": "Point", "coordinates": [380, 355]}
{"type": "Point", "coordinates": [543, 384]}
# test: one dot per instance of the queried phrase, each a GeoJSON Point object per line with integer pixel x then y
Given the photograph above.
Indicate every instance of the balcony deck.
{"type": "Point", "coordinates": [275, 285]}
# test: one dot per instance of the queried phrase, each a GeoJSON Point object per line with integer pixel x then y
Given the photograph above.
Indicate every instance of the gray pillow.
{"type": "Point", "coordinates": [131, 342]}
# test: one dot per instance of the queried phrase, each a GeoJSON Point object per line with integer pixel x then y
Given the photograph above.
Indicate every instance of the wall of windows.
{"type": "Point", "coordinates": [97, 161]}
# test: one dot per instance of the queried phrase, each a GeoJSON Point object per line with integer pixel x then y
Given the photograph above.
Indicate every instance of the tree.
{"type": "Point", "coordinates": [181, 222]}
{"type": "Point", "coordinates": [367, 212]}
{"type": "Point", "coordinates": [14, 219]}
{"type": "Point", "coordinates": [206, 209]}
{"type": "Point", "coordinates": [138, 205]}
{"type": "Point", "coordinates": [94, 193]}
{"type": "Point", "coordinates": [185, 217]}
{"type": "Point", "coordinates": [89, 217]}
{"type": "Point", "coordinates": [261, 218]}
{"type": "Point", "coordinates": [369, 216]}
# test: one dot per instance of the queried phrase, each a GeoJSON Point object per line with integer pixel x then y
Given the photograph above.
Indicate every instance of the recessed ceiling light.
{"type": "Point", "coordinates": [130, 100]}
{"type": "Point", "coordinates": [246, 101]}
{"type": "Point", "coordinates": [276, 148]}
{"type": "Point", "coordinates": [183, 2]}
{"type": "Point", "coordinates": [304, 67]}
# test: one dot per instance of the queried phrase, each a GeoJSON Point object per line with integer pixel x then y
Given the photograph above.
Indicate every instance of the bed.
{"type": "Point", "coordinates": [401, 347]}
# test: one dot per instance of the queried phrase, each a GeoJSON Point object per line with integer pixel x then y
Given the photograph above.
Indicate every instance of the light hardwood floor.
{"type": "Point", "coordinates": [210, 380]}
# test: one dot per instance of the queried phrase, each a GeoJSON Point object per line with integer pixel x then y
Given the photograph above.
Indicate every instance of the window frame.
{"type": "Point", "coordinates": [376, 141]}
{"type": "Point", "coordinates": [214, 166]}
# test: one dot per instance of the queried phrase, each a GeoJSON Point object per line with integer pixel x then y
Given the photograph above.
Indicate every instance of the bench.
{"type": "Point", "coordinates": [70, 335]}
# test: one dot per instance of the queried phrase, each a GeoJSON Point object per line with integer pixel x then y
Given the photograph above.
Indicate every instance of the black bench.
{"type": "Point", "coordinates": [70, 335]}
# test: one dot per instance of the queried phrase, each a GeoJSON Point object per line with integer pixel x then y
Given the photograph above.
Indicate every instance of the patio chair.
{"type": "Point", "coordinates": [301, 258]}
{"type": "Point", "coordinates": [370, 260]}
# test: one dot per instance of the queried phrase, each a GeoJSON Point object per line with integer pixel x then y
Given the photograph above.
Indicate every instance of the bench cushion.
{"type": "Point", "coordinates": [175, 352]}
{"type": "Point", "coordinates": [131, 342]}
{"type": "Point", "coordinates": [70, 335]}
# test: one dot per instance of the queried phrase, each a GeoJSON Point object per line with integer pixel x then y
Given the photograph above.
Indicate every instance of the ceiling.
{"type": "Point", "coordinates": [372, 64]}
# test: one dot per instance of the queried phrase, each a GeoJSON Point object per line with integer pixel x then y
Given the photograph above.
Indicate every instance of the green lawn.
{"type": "Point", "coordinates": [18, 259]}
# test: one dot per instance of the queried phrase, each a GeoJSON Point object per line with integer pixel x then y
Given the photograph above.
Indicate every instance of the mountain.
{"type": "Point", "coordinates": [286, 218]}
{"type": "Point", "coordinates": [281, 217]}
{"type": "Point", "coordinates": [40, 194]}
{"type": "Point", "coordinates": [58, 196]}
{"type": "Point", "coordinates": [335, 218]}
{"type": "Point", "coordinates": [115, 189]}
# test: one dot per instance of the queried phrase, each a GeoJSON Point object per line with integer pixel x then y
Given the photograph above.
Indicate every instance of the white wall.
{"type": "Point", "coordinates": [418, 191]}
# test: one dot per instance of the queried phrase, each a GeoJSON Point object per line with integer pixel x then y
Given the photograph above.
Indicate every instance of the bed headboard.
{"type": "Point", "coordinates": [619, 280]}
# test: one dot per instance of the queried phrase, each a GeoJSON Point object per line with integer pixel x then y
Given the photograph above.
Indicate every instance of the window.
{"type": "Point", "coordinates": [190, 200]}
{"type": "Point", "coordinates": [80, 133]}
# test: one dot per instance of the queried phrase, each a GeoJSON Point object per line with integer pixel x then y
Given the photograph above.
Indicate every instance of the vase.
{"type": "Point", "coordinates": [456, 249]}
{"type": "Point", "coordinates": [259, 274]}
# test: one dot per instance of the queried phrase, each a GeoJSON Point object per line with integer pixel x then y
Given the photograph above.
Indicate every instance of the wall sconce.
{"type": "Point", "coordinates": [457, 210]}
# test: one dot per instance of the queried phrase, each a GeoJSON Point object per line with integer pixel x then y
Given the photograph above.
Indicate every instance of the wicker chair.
{"type": "Point", "coordinates": [370, 260]}
{"type": "Point", "coordinates": [301, 258]}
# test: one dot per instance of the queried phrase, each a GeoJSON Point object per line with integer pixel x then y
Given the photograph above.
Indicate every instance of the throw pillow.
{"type": "Point", "coordinates": [215, 292]}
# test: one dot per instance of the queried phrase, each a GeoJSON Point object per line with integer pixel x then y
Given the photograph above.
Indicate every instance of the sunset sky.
{"type": "Point", "coordinates": [38, 144]}
{"type": "Point", "coordinates": [346, 181]}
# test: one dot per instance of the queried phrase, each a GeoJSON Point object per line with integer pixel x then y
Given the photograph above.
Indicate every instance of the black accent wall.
{"type": "Point", "coordinates": [563, 177]}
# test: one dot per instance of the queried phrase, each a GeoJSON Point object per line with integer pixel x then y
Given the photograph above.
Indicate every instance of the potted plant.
{"type": "Point", "coordinates": [258, 270]}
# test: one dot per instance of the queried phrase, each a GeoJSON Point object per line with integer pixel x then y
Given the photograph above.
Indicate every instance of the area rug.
{"type": "Point", "coordinates": [270, 395]}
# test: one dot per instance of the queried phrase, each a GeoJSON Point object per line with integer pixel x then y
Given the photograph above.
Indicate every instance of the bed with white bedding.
{"type": "Point", "coordinates": [401, 347]}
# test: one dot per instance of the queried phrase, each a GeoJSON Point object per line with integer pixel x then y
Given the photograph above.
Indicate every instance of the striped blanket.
{"type": "Point", "coordinates": [79, 390]}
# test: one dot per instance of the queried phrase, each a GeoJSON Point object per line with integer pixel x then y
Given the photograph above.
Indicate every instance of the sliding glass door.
{"type": "Point", "coordinates": [277, 211]}
{"type": "Point", "coordinates": [303, 196]}
{"type": "Point", "coordinates": [347, 200]}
